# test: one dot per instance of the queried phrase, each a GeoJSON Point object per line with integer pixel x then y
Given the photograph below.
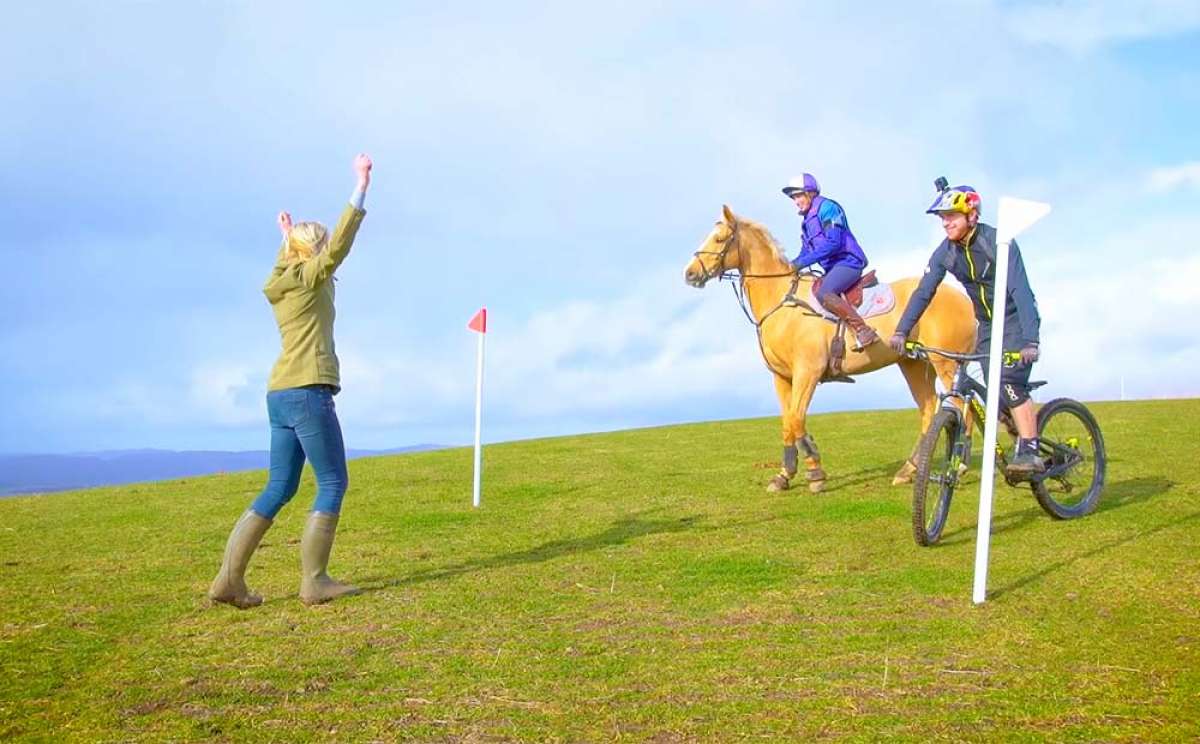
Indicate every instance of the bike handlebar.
{"type": "Point", "coordinates": [915, 350]}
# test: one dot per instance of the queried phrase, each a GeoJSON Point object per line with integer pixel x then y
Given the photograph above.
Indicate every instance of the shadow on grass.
{"type": "Point", "coordinates": [1115, 496]}
{"type": "Point", "coordinates": [1057, 565]}
{"type": "Point", "coordinates": [1133, 491]}
{"type": "Point", "coordinates": [1010, 521]}
{"type": "Point", "coordinates": [878, 475]}
{"type": "Point", "coordinates": [622, 531]}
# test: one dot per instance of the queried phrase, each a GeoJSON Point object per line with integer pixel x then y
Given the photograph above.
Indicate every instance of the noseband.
{"type": "Point", "coordinates": [739, 289]}
{"type": "Point", "coordinates": [720, 273]}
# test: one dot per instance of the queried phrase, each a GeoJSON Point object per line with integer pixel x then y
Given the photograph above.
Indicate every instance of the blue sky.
{"type": "Point", "coordinates": [559, 163]}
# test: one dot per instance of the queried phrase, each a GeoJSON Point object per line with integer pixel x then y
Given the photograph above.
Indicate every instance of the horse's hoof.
{"type": "Point", "coordinates": [904, 475]}
{"type": "Point", "coordinates": [816, 486]}
{"type": "Point", "coordinates": [777, 484]}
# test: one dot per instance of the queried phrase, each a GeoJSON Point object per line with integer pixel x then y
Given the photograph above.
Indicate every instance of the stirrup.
{"type": "Point", "coordinates": [843, 377]}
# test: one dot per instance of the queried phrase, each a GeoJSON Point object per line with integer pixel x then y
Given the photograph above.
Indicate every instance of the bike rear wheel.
{"type": "Point", "coordinates": [938, 458]}
{"type": "Point", "coordinates": [1072, 448]}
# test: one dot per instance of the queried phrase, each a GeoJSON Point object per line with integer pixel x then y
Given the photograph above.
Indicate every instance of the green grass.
{"type": "Point", "coordinates": [636, 586]}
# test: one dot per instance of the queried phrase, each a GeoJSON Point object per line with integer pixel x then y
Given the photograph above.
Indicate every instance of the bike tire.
{"type": "Point", "coordinates": [1057, 451]}
{"type": "Point", "coordinates": [936, 470]}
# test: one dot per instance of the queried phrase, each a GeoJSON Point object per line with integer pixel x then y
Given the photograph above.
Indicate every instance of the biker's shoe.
{"type": "Point", "coordinates": [1027, 462]}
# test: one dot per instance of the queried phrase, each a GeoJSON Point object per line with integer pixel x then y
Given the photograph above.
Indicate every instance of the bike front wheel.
{"type": "Point", "coordinates": [939, 455]}
{"type": "Point", "coordinates": [1072, 449]}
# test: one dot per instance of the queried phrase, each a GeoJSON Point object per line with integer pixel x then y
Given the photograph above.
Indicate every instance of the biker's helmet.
{"type": "Point", "coordinates": [804, 182]}
{"type": "Point", "coordinates": [957, 199]}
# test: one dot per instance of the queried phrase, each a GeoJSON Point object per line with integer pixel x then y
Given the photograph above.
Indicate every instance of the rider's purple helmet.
{"type": "Point", "coordinates": [805, 182]}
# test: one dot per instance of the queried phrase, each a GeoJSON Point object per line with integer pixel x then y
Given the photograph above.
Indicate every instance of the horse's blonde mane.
{"type": "Point", "coordinates": [765, 236]}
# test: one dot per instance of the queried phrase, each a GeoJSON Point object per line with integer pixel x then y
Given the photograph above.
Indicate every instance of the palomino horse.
{"type": "Point", "coordinates": [795, 342]}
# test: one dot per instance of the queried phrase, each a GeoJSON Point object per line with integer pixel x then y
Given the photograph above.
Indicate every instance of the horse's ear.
{"type": "Point", "coordinates": [730, 217]}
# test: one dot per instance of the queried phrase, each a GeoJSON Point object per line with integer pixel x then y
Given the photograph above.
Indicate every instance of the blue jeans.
{"type": "Point", "coordinates": [304, 424]}
{"type": "Point", "coordinates": [837, 280]}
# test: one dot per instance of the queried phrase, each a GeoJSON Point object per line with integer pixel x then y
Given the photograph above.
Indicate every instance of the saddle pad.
{"type": "Point", "coordinates": [877, 300]}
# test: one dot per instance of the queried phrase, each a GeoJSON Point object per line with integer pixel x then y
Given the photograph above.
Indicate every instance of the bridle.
{"type": "Point", "coordinates": [739, 288]}
{"type": "Point", "coordinates": [789, 299]}
{"type": "Point", "coordinates": [726, 244]}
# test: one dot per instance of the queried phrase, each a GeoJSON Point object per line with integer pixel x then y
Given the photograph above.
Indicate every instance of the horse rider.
{"type": "Point", "coordinates": [969, 253]}
{"type": "Point", "coordinates": [826, 240]}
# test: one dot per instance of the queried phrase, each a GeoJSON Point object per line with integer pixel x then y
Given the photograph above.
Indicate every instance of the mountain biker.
{"type": "Point", "coordinates": [969, 253]}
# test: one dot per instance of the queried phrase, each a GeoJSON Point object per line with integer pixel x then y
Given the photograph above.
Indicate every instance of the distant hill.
{"type": "Point", "coordinates": [42, 473]}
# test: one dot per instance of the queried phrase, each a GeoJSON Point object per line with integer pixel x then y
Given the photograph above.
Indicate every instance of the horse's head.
{"type": "Point", "coordinates": [737, 244]}
{"type": "Point", "coordinates": [716, 254]}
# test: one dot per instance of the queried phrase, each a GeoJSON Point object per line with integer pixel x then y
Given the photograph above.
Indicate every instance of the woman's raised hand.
{"type": "Point", "coordinates": [285, 223]}
{"type": "Point", "coordinates": [362, 167]}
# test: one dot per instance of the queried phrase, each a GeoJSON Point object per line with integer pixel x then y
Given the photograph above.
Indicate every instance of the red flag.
{"type": "Point", "coordinates": [479, 322]}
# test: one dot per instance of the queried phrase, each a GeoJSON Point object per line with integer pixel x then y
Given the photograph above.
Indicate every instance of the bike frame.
{"type": "Point", "coordinates": [941, 463]}
{"type": "Point", "coordinates": [970, 394]}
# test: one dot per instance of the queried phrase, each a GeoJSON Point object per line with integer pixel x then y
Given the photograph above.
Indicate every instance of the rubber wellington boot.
{"type": "Point", "coordinates": [864, 335]}
{"type": "Point", "coordinates": [315, 585]}
{"type": "Point", "coordinates": [230, 584]}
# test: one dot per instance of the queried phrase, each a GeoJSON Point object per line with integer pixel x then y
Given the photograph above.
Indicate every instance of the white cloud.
{"type": "Point", "coordinates": [654, 347]}
{"type": "Point", "coordinates": [1173, 178]}
{"type": "Point", "coordinates": [1106, 327]}
{"type": "Point", "coordinates": [1083, 25]}
{"type": "Point", "coordinates": [660, 344]}
{"type": "Point", "coordinates": [609, 131]}
{"type": "Point", "coordinates": [226, 394]}
{"type": "Point", "coordinates": [661, 351]}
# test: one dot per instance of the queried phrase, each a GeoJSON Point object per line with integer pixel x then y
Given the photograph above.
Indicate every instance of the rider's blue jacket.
{"type": "Point", "coordinates": [975, 266]}
{"type": "Point", "coordinates": [826, 238]}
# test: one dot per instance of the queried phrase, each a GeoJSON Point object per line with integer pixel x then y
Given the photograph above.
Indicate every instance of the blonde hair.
{"type": "Point", "coordinates": [304, 240]}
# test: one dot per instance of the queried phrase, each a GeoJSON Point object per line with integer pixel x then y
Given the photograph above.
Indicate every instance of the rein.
{"type": "Point", "coordinates": [789, 298]}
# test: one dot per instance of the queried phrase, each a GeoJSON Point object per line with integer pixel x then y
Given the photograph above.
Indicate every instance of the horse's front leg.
{"type": "Point", "coordinates": [783, 479]}
{"type": "Point", "coordinates": [812, 461]}
{"type": "Point", "coordinates": [795, 395]}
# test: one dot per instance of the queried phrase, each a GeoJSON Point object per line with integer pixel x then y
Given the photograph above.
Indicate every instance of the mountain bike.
{"type": "Point", "coordinates": [1070, 445]}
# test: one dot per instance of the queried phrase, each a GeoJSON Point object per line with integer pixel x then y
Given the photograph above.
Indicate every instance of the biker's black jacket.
{"type": "Point", "coordinates": [975, 267]}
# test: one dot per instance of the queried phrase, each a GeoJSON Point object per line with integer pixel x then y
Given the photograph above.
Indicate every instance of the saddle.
{"type": "Point", "coordinates": [854, 295]}
{"type": "Point", "coordinates": [868, 297]}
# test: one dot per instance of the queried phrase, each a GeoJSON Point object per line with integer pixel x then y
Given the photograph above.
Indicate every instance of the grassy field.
{"type": "Point", "coordinates": [637, 586]}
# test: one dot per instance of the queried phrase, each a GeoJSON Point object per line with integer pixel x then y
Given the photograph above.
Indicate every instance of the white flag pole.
{"type": "Point", "coordinates": [1016, 215]}
{"type": "Point", "coordinates": [478, 417]}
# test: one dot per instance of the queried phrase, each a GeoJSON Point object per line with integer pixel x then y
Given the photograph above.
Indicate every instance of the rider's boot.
{"type": "Point", "coordinates": [1026, 462]}
{"type": "Point", "coordinates": [864, 334]}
